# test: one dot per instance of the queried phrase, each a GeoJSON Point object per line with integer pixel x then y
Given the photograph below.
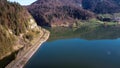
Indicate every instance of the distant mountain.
{"type": "Point", "coordinates": [58, 12]}
{"type": "Point", "coordinates": [102, 6]}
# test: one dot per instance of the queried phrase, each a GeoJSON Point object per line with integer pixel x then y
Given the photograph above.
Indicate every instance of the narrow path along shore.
{"type": "Point", "coordinates": [20, 61]}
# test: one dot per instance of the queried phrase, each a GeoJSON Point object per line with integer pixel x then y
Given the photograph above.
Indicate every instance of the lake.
{"type": "Point", "coordinates": [76, 48]}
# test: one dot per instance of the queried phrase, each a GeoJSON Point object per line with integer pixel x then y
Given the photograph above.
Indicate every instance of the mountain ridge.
{"type": "Point", "coordinates": [102, 6]}
{"type": "Point", "coordinates": [66, 12]}
{"type": "Point", "coordinates": [58, 12]}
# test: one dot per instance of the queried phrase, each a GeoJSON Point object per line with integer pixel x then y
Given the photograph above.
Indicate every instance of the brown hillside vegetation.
{"type": "Point", "coordinates": [102, 6]}
{"type": "Point", "coordinates": [58, 12]}
{"type": "Point", "coordinates": [14, 20]}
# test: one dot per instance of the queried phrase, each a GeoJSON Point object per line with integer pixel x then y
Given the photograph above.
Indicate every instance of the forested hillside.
{"type": "Point", "coordinates": [15, 22]}
{"type": "Point", "coordinates": [67, 12]}
{"type": "Point", "coordinates": [58, 12]}
{"type": "Point", "coordinates": [102, 6]}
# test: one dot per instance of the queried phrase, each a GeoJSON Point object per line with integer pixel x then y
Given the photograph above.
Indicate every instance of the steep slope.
{"type": "Point", "coordinates": [58, 12]}
{"type": "Point", "coordinates": [16, 25]}
{"type": "Point", "coordinates": [102, 6]}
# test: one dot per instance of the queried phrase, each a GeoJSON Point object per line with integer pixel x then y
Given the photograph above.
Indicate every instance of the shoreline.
{"type": "Point", "coordinates": [20, 62]}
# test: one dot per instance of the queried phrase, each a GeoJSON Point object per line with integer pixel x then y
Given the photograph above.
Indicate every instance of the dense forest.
{"type": "Point", "coordinates": [102, 6]}
{"type": "Point", "coordinates": [58, 12]}
{"type": "Point", "coordinates": [67, 12]}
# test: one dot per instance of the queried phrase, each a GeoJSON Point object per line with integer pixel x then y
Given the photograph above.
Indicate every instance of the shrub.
{"type": "Point", "coordinates": [29, 36]}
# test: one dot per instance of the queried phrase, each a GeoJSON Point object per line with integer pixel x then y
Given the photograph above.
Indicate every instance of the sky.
{"type": "Point", "coordinates": [23, 2]}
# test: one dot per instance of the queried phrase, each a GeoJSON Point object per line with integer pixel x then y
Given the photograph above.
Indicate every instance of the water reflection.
{"type": "Point", "coordinates": [85, 47]}
{"type": "Point", "coordinates": [88, 33]}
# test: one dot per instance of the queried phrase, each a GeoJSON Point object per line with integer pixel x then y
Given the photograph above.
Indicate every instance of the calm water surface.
{"type": "Point", "coordinates": [77, 53]}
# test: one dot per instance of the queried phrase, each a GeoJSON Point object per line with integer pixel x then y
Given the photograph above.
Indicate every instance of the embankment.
{"type": "Point", "coordinates": [25, 55]}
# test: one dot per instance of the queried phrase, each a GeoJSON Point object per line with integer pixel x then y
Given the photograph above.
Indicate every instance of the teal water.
{"type": "Point", "coordinates": [77, 53]}
{"type": "Point", "coordinates": [95, 50]}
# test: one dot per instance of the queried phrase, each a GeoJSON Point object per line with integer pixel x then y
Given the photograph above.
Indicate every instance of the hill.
{"type": "Point", "coordinates": [102, 6]}
{"type": "Point", "coordinates": [58, 12]}
{"type": "Point", "coordinates": [16, 28]}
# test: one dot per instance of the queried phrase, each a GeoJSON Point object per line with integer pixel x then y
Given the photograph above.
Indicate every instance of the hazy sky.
{"type": "Point", "coordinates": [23, 2]}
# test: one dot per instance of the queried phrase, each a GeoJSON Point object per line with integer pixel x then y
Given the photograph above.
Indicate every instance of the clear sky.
{"type": "Point", "coordinates": [23, 2]}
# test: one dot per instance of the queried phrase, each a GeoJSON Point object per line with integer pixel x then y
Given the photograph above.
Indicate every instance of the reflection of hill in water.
{"type": "Point", "coordinates": [88, 33]}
